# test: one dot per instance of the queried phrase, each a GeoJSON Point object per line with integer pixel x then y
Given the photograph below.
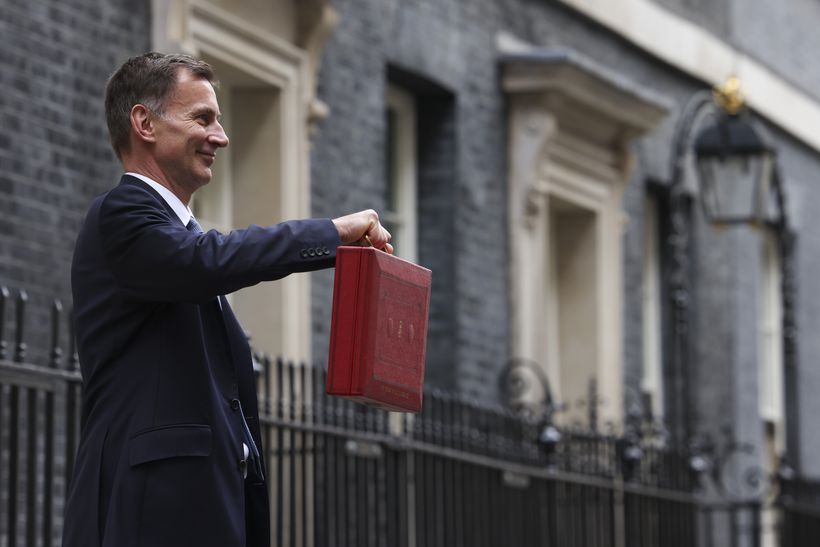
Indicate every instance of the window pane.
{"type": "Point", "coordinates": [652, 382]}
{"type": "Point", "coordinates": [399, 213]}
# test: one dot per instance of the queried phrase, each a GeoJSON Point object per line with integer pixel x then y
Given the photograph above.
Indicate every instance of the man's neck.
{"type": "Point", "coordinates": [153, 172]}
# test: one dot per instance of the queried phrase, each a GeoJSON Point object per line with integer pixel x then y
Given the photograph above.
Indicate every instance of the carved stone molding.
{"type": "Point", "coordinates": [559, 91]}
{"type": "Point", "coordinates": [275, 45]}
{"type": "Point", "coordinates": [571, 122]}
{"type": "Point", "coordinates": [317, 20]}
{"type": "Point", "coordinates": [175, 25]}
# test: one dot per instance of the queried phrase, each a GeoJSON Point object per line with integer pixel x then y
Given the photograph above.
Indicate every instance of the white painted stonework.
{"type": "Point", "coordinates": [570, 126]}
{"type": "Point", "coordinates": [690, 48]}
{"type": "Point", "coordinates": [268, 55]}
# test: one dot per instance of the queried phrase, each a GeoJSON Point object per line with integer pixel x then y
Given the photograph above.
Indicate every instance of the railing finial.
{"type": "Point", "coordinates": [4, 298]}
{"type": "Point", "coordinates": [56, 350]}
{"type": "Point", "coordinates": [20, 347]}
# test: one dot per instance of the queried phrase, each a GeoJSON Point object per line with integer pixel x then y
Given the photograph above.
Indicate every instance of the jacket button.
{"type": "Point", "coordinates": [243, 467]}
{"type": "Point", "coordinates": [303, 253]}
{"type": "Point", "coordinates": [325, 251]}
{"type": "Point", "coordinates": [311, 252]}
{"type": "Point", "coordinates": [234, 404]}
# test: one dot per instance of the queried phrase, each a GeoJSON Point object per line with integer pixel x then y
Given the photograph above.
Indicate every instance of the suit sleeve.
{"type": "Point", "coordinates": [153, 257]}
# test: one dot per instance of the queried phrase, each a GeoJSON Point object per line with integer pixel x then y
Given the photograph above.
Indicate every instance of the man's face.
{"type": "Point", "coordinates": [188, 133]}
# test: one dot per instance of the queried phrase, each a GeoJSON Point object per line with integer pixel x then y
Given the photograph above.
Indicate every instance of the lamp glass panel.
{"type": "Point", "coordinates": [733, 187]}
{"type": "Point", "coordinates": [769, 205]}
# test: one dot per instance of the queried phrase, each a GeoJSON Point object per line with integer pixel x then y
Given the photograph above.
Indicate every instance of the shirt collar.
{"type": "Point", "coordinates": [182, 210]}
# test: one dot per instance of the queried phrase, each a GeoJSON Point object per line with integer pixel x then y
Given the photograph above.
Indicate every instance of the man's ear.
{"type": "Point", "coordinates": [142, 122]}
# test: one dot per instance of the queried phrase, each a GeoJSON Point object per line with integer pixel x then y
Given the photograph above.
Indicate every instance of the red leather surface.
{"type": "Point", "coordinates": [378, 331]}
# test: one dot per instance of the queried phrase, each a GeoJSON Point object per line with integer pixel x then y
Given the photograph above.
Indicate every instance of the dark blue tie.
{"type": "Point", "coordinates": [193, 226]}
{"type": "Point", "coordinates": [254, 458]}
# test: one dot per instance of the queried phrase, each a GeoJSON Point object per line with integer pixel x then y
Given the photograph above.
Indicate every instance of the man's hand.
{"type": "Point", "coordinates": [363, 228]}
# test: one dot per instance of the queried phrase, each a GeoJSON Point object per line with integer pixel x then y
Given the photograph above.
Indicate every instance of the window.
{"type": "Point", "coordinates": [652, 378]}
{"type": "Point", "coordinates": [574, 302]}
{"type": "Point", "coordinates": [246, 190]}
{"type": "Point", "coordinates": [400, 213]}
{"type": "Point", "coordinates": [770, 369]}
{"type": "Point", "coordinates": [771, 349]}
{"type": "Point", "coordinates": [570, 127]}
{"type": "Point", "coordinates": [419, 151]}
{"type": "Point", "coordinates": [263, 176]}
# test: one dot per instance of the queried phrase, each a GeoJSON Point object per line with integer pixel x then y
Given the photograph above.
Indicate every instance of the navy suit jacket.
{"type": "Point", "coordinates": [164, 370]}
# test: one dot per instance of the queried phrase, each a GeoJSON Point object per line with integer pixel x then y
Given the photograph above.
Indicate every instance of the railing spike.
{"type": "Point", "coordinates": [266, 387]}
{"type": "Point", "coordinates": [73, 357]}
{"type": "Point", "coordinates": [20, 345]}
{"type": "Point", "coordinates": [4, 298]}
{"type": "Point", "coordinates": [56, 350]}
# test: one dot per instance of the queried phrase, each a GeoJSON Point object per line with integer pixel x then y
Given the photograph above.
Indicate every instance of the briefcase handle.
{"type": "Point", "coordinates": [366, 239]}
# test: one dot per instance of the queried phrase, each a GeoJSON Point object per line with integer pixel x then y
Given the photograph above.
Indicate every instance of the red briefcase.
{"type": "Point", "coordinates": [378, 331]}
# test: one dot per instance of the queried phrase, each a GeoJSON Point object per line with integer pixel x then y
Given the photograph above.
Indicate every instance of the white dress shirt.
{"type": "Point", "coordinates": [182, 210]}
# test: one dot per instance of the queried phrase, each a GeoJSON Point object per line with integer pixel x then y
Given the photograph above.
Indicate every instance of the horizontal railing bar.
{"type": "Point", "coordinates": [803, 509]}
{"type": "Point", "coordinates": [35, 376]}
{"type": "Point", "coordinates": [404, 444]}
{"type": "Point", "coordinates": [552, 474]}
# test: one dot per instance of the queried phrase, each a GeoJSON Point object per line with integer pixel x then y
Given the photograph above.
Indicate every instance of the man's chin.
{"type": "Point", "coordinates": [204, 178]}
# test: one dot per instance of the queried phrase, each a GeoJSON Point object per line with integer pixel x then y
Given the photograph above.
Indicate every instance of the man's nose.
{"type": "Point", "coordinates": [218, 137]}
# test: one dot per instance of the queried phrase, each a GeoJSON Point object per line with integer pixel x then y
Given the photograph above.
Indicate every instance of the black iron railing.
{"type": "Point", "coordinates": [39, 428]}
{"type": "Point", "coordinates": [800, 502]}
{"type": "Point", "coordinates": [461, 473]}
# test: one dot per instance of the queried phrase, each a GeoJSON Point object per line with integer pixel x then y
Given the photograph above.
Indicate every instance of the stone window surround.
{"type": "Point", "coordinates": [200, 28]}
{"type": "Point", "coordinates": [570, 124]}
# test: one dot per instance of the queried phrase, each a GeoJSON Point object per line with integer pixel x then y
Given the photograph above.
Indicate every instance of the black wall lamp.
{"type": "Point", "coordinates": [738, 182]}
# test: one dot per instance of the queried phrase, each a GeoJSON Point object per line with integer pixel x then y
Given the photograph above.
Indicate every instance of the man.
{"type": "Point", "coordinates": [169, 454]}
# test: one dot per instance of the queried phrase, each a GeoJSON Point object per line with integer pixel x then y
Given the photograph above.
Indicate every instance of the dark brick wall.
{"type": "Point", "coordinates": [464, 214]}
{"type": "Point", "coordinates": [453, 45]}
{"type": "Point", "coordinates": [54, 156]}
{"type": "Point", "coordinates": [463, 211]}
{"type": "Point", "coordinates": [54, 152]}
{"type": "Point", "coordinates": [780, 35]}
{"type": "Point", "coordinates": [437, 173]}
{"type": "Point", "coordinates": [713, 15]}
